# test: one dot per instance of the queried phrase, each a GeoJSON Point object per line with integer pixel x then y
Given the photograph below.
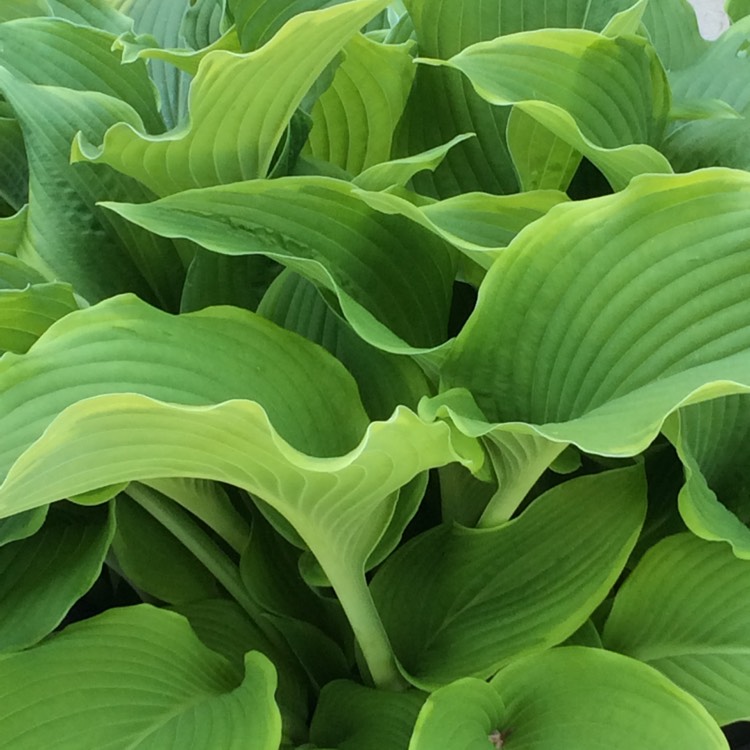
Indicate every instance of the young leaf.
{"type": "Point", "coordinates": [135, 677]}
{"type": "Point", "coordinates": [463, 602]}
{"type": "Point", "coordinates": [685, 610]}
{"type": "Point", "coordinates": [584, 699]}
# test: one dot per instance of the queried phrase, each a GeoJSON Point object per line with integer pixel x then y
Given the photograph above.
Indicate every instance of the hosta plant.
{"type": "Point", "coordinates": [373, 375]}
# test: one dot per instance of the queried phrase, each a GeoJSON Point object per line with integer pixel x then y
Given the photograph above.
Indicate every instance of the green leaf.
{"type": "Point", "coordinates": [393, 279]}
{"type": "Point", "coordinates": [615, 124]}
{"type": "Point", "coordinates": [14, 168]}
{"type": "Point", "coordinates": [355, 118]}
{"type": "Point", "coordinates": [204, 22]}
{"type": "Point", "coordinates": [25, 314]}
{"type": "Point", "coordinates": [45, 574]}
{"type": "Point", "coordinates": [673, 29]}
{"type": "Point", "coordinates": [155, 561]}
{"type": "Point", "coordinates": [719, 74]}
{"type": "Point", "coordinates": [463, 602]}
{"type": "Point", "coordinates": [12, 9]}
{"type": "Point", "coordinates": [68, 237]}
{"type": "Point", "coordinates": [98, 14]}
{"type": "Point", "coordinates": [616, 311]}
{"type": "Point", "coordinates": [258, 21]}
{"type": "Point", "coordinates": [385, 380]}
{"type": "Point", "coordinates": [684, 610]}
{"type": "Point", "coordinates": [443, 103]}
{"type": "Point", "coordinates": [353, 717]}
{"type": "Point", "coordinates": [737, 9]}
{"type": "Point", "coordinates": [142, 679]}
{"type": "Point", "coordinates": [580, 699]}
{"type": "Point", "coordinates": [218, 146]}
{"type": "Point", "coordinates": [712, 441]}
{"type": "Point", "coordinates": [398, 172]}
{"type": "Point", "coordinates": [463, 716]}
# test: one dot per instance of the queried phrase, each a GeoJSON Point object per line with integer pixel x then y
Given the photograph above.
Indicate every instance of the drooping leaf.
{"type": "Point", "coordinates": [220, 145]}
{"type": "Point", "coordinates": [583, 699]}
{"type": "Point", "coordinates": [712, 440]}
{"type": "Point", "coordinates": [393, 279]}
{"type": "Point", "coordinates": [464, 602]}
{"type": "Point", "coordinates": [142, 679]}
{"type": "Point", "coordinates": [45, 574]}
{"type": "Point", "coordinates": [562, 370]}
{"type": "Point", "coordinates": [684, 610]}
{"type": "Point", "coordinates": [463, 715]}
{"type": "Point", "coordinates": [443, 104]}
{"type": "Point", "coordinates": [354, 717]}
{"type": "Point", "coordinates": [355, 118]}
{"type": "Point", "coordinates": [615, 124]}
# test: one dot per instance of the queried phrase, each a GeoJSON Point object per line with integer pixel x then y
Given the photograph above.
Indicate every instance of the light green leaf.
{"type": "Point", "coordinates": [12, 9]}
{"type": "Point", "coordinates": [353, 717]}
{"type": "Point", "coordinates": [615, 124]}
{"type": "Point", "coordinates": [393, 279]}
{"type": "Point", "coordinates": [12, 232]}
{"type": "Point", "coordinates": [45, 574]}
{"type": "Point", "coordinates": [219, 145]}
{"type": "Point", "coordinates": [684, 610]}
{"type": "Point", "coordinates": [355, 118]}
{"type": "Point", "coordinates": [142, 680]}
{"type": "Point", "coordinates": [541, 159]}
{"type": "Point", "coordinates": [616, 311]}
{"type": "Point", "coordinates": [25, 314]}
{"type": "Point", "coordinates": [712, 440]}
{"type": "Point", "coordinates": [464, 715]}
{"type": "Point", "coordinates": [443, 104]}
{"type": "Point", "coordinates": [400, 171]}
{"type": "Point", "coordinates": [464, 602]}
{"type": "Point", "coordinates": [583, 699]}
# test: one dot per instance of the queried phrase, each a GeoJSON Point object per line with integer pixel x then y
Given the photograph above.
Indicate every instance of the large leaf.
{"type": "Point", "coordinates": [606, 97]}
{"type": "Point", "coordinates": [443, 103]}
{"type": "Point", "coordinates": [584, 699]}
{"type": "Point", "coordinates": [463, 602]}
{"type": "Point", "coordinates": [240, 107]}
{"type": "Point", "coordinates": [685, 610]}
{"type": "Point", "coordinates": [44, 575]}
{"type": "Point", "coordinates": [392, 278]}
{"type": "Point", "coordinates": [673, 29]}
{"type": "Point", "coordinates": [713, 440]}
{"type": "Point", "coordinates": [240, 388]}
{"type": "Point", "coordinates": [355, 118]}
{"type": "Point", "coordinates": [141, 679]}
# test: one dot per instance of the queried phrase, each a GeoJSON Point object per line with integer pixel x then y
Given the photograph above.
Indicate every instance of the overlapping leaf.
{"type": "Point", "coordinates": [142, 680]}
{"type": "Point", "coordinates": [606, 97]}
{"type": "Point", "coordinates": [45, 574]}
{"type": "Point", "coordinates": [393, 279]}
{"type": "Point", "coordinates": [239, 105]}
{"type": "Point", "coordinates": [685, 610]}
{"type": "Point", "coordinates": [581, 699]}
{"type": "Point", "coordinates": [463, 602]}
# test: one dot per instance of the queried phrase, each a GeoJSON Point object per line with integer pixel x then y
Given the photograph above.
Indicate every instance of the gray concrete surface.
{"type": "Point", "coordinates": [712, 19]}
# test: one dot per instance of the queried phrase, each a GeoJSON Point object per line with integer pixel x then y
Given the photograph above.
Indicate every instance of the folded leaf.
{"type": "Point", "coordinates": [584, 699]}
{"type": "Point", "coordinates": [462, 602]}
{"type": "Point", "coordinates": [392, 278]}
{"type": "Point", "coordinates": [220, 145]}
{"type": "Point", "coordinates": [142, 679]}
{"type": "Point", "coordinates": [685, 611]}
